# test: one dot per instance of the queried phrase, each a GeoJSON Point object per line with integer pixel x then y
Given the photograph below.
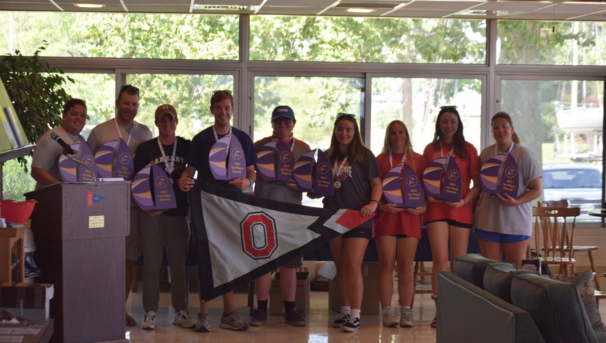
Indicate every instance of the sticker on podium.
{"type": "Point", "coordinates": [152, 177]}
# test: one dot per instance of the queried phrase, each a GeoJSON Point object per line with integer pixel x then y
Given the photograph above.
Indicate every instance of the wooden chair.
{"type": "Point", "coordinates": [575, 248]}
{"type": "Point", "coordinates": [553, 226]}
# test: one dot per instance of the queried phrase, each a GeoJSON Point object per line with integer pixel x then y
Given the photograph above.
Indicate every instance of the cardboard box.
{"type": "Point", "coordinates": [370, 299]}
{"type": "Point", "coordinates": [308, 267]}
{"type": "Point", "coordinates": [27, 300]}
{"type": "Point", "coordinates": [276, 302]}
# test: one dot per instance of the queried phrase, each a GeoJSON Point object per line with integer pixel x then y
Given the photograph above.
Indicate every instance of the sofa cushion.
{"type": "Point", "coordinates": [554, 306]}
{"type": "Point", "coordinates": [471, 268]}
{"type": "Point", "coordinates": [583, 281]}
{"type": "Point", "coordinates": [498, 276]}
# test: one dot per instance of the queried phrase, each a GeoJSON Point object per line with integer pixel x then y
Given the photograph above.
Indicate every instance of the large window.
{"type": "Point", "coordinates": [188, 93]}
{"type": "Point", "coordinates": [165, 36]}
{"type": "Point", "coordinates": [559, 43]}
{"type": "Point", "coordinates": [315, 101]}
{"type": "Point", "coordinates": [562, 123]}
{"type": "Point", "coordinates": [417, 101]}
{"type": "Point", "coordinates": [343, 39]}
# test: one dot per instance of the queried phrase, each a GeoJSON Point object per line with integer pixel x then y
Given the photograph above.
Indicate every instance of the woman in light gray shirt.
{"type": "Point", "coordinates": [504, 224]}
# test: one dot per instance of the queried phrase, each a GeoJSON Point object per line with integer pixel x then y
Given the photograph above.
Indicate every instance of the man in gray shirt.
{"type": "Point", "coordinates": [124, 126]}
{"type": "Point", "coordinates": [45, 164]}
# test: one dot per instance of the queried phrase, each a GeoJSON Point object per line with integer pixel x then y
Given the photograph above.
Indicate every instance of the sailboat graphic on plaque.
{"type": "Point", "coordinates": [403, 187]}
{"type": "Point", "coordinates": [153, 177]}
{"type": "Point", "coordinates": [123, 158]}
{"type": "Point", "coordinates": [442, 180]}
{"type": "Point", "coordinates": [226, 159]}
{"type": "Point", "coordinates": [271, 168]}
{"type": "Point", "coordinates": [313, 174]}
{"type": "Point", "coordinates": [73, 172]}
{"type": "Point", "coordinates": [499, 175]}
{"type": "Point", "coordinates": [489, 173]}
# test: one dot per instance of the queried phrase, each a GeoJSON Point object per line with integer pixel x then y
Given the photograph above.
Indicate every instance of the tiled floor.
{"type": "Point", "coordinates": [317, 330]}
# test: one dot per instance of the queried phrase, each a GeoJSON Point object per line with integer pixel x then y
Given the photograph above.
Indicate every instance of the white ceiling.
{"type": "Point", "coordinates": [583, 10]}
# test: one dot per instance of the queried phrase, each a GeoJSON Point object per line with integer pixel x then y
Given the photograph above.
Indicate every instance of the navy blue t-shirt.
{"type": "Point", "coordinates": [199, 150]}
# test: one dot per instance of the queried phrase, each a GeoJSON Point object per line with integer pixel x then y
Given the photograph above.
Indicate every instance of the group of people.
{"type": "Point", "coordinates": [502, 224]}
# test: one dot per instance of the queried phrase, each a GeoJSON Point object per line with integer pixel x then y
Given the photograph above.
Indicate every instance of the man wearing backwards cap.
{"type": "Point", "coordinates": [283, 121]}
{"type": "Point", "coordinates": [167, 228]}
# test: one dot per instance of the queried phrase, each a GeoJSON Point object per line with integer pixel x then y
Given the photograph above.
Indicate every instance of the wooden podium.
{"type": "Point", "coordinates": [79, 229]}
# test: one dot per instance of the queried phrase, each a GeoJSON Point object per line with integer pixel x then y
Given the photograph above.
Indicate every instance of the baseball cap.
{"type": "Point", "coordinates": [283, 111]}
{"type": "Point", "coordinates": [164, 109]}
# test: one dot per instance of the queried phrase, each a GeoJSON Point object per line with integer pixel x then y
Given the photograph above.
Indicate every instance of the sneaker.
{"type": "Point", "coordinates": [258, 317]}
{"type": "Point", "coordinates": [388, 319]}
{"type": "Point", "coordinates": [352, 325]}
{"type": "Point", "coordinates": [149, 321]}
{"type": "Point", "coordinates": [293, 318]}
{"type": "Point", "coordinates": [130, 321]}
{"type": "Point", "coordinates": [182, 318]}
{"type": "Point", "coordinates": [233, 322]}
{"type": "Point", "coordinates": [203, 324]}
{"type": "Point", "coordinates": [434, 322]}
{"type": "Point", "coordinates": [406, 318]}
{"type": "Point", "coordinates": [341, 319]}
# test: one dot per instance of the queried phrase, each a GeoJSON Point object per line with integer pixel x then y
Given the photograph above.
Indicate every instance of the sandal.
{"type": "Point", "coordinates": [130, 321]}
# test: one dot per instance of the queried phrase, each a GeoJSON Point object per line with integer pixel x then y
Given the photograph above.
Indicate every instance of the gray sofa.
{"type": "Point", "coordinates": [491, 301]}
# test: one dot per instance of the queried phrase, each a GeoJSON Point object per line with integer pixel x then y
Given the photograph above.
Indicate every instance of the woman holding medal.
{"type": "Point", "coordinates": [449, 223]}
{"type": "Point", "coordinates": [504, 224]}
{"type": "Point", "coordinates": [357, 187]}
{"type": "Point", "coordinates": [397, 231]}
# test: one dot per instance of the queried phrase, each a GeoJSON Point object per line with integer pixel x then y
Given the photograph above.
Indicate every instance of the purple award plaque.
{"type": "Point", "coordinates": [86, 156]}
{"type": "Point", "coordinates": [124, 162]}
{"type": "Point", "coordinates": [286, 161]}
{"type": "Point", "coordinates": [67, 167]}
{"type": "Point", "coordinates": [489, 173]}
{"type": "Point", "coordinates": [392, 189]}
{"type": "Point", "coordinates": [323, 182]}
{"type": "Point", "coordinates": [432, 177]}
{"type": "Point", "coordinates": [412, 191]}
{"type": "Point", "coordinates": [451, 183]}
{"type": "Point", "coordinates": [302, 171]}
{"type": "Point", "coordinates": [236, 163]}
{"type": "Point", "coordinates": [217, 158]}
{"type": "Point", "coordinates": [266, 161]}
{"type": "Point", "coordinates": [141, 190]}
{"type": "Point", "coordinates": [164, 194]}
{"type": "Point", "coordinates": [104, 159]}
{"type": "Point", "coordinates": [509, 180]}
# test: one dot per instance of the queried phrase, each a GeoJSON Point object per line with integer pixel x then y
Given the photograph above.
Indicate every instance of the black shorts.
{"type": "Point", "coordinates": [294, 263]}
{"type": "Point", "coordinates": [359, 232]}
{"type": "Point", "coordinates": [399, 236]}
{"type": "Point", "coordinates": [452, 223]}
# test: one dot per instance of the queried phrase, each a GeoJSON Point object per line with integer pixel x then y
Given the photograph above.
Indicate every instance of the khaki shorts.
{"type": "Point", "coordinates": [133, 240]}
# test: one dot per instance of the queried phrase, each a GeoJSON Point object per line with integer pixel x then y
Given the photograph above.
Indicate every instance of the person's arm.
{"type": "Point", "coordinates": [243, 183]}
{"type": "Point", "coordinates": [375, 197]}
{"type": "Point", "coordinates": [533, 192]}
{"type": "Point", "coordinates": [186, 181]}
{"type": "Point", "coordinates": [43, 177]}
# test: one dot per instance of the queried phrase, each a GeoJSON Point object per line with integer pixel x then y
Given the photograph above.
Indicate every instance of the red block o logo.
{"type": "Point", "coordinates": [259, 235]}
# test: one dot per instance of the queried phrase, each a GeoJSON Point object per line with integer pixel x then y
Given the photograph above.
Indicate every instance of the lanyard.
{"type": "Point", "coordinates": [217, 136]}
{"type": "Point", "coordinates": [391, 163]}
{"type": "Point", "coordinates": [130, 135]}
{"type": "Point", "coordinates": [338, 168]}
{"type": "Point", "coordinates": [168, 167]}
{"type": "Point", "coordinates": [449, 153]}
{"type": "Point", "coordinates": [508, 151]}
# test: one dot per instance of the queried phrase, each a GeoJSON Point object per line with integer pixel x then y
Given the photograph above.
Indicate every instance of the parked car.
{"type": "Point", "coordinates": [579, 183]}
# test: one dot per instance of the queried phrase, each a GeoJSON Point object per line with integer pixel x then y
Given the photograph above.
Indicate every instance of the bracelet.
{"type": "Point", "coordinates": [376, 202]}
{"type": "Point", "coordinates": [251, 182]}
